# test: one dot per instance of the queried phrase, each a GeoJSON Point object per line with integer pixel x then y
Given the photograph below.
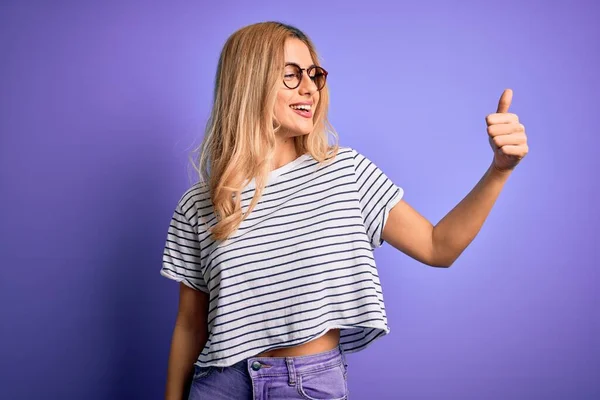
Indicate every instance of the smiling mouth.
{"type": "Point", "coordinates": [303, 110]}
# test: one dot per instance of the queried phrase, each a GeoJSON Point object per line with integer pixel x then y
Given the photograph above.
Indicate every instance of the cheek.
{"type": "Point", "coordinates": [281, 105]}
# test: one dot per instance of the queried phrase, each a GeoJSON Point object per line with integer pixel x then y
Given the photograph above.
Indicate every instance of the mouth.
{"type": "Point", "coordinates": [304, 110]}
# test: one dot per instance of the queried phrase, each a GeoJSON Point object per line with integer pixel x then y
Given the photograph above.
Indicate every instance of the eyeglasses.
{"type": "Point", "coordinates": [293, 75]}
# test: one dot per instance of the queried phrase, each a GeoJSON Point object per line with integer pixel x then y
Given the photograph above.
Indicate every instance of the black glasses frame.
{"type": "Point", "coordinates": [308, 71]}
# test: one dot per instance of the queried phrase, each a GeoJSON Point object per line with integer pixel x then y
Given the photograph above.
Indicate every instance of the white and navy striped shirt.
{"type": "Point", "coordinates": [300, 264]}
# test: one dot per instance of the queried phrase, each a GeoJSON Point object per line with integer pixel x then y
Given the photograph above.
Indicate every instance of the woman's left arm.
{"type": "Point", "coordinates": [442, 244]}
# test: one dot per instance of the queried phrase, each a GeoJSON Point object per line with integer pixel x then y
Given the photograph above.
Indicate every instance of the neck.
{"type": "Point", "coordinates": [285, 152]}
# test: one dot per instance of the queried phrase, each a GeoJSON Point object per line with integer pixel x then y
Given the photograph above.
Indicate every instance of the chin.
{"type": "Point", "coordinates": [304, 131]}
{"type": "Point", "coordinates": [297, 131]}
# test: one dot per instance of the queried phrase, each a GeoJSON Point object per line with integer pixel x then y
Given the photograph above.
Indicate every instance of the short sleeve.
{"type": "Point", "coordinates": [377, 195]}
{"type": "Point", "coordinates": [182, 253]}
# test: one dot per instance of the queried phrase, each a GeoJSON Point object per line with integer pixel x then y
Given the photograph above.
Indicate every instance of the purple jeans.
{"type": "Point", "coordinates": [321, 376]}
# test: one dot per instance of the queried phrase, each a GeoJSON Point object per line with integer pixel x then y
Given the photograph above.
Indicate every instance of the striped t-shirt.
{"type": "Point", "coordinates": [301, 262]}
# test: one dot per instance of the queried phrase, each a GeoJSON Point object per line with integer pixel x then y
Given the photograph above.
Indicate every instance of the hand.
{"type": "Point", "coordinates": [507, 135]}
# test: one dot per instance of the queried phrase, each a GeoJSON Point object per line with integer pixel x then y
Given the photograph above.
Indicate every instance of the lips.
{"type": "Point", "coordinates": [305, 111]}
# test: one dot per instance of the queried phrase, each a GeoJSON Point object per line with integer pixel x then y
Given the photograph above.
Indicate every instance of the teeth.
{"type": "Point", "coordinates": [301, 107]}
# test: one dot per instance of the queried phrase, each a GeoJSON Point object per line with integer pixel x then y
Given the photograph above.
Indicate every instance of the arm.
{"type": "Point", "coordinates": [460, 226]}
{"type": "Point", "coordinates": [440, 245]}
{"type": "Point", "coordinates": [189, 337]}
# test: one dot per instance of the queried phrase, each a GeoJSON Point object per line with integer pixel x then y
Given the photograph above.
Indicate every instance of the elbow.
{"type": "Point", "coordinates": [441, 255]}
{"type": "Point", "coordinates": [439, 261]}
{"type": "Point", "coordinates": [440, 265]}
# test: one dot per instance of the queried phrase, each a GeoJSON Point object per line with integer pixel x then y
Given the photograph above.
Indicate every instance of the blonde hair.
{"type": "Point", "coordinates": [239, 140]}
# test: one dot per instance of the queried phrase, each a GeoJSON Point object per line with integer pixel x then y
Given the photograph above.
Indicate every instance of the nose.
{"type": "Point", "coordinates": [307, 86]}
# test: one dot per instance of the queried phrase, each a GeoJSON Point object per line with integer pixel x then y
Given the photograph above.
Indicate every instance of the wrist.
{"type": "Point", "coordinates": [499, 172]}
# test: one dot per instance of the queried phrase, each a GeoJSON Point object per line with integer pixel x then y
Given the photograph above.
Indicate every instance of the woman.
{"type": "Point", "coordinates": [273, 247]}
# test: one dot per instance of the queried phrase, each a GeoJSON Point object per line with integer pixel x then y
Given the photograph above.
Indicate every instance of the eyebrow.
{"type": "Point", "coordinates": [292, 63]}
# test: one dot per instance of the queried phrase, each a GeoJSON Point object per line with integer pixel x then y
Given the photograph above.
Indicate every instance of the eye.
{"type": "Point", "coordinates": [291, 70]}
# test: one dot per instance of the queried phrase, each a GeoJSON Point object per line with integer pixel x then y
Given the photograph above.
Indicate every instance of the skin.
{"type": "Point", "coordinates": [189, 337]}
{"type": "Point", "coordinates": [440, 245]}
{"type": "Point", "coordinates": [406, 229]}
{"type": "Point", "coordinates": [191, 332]}
{"type": "Point", "coordinates": [293, 124]}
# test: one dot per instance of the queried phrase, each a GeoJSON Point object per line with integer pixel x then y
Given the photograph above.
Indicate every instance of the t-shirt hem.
{"type": "Point", "coordinates": [180, 279]}
{"type": "Point", "coordinates": [381, 327]}
{"type": "Point", "coordinates": [378, 239]}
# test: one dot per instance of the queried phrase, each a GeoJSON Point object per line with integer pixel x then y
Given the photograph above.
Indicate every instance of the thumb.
{"type": "Point", "coordinates": [505, 100]}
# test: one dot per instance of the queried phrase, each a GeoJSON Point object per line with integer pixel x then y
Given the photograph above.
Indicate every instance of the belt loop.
{"type": "Point", "coordinates": [291, 371]}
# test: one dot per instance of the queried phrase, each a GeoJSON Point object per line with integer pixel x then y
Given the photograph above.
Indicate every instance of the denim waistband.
{"type": "Point", "coordinates": [259, 366]}
{"type": "Point", "coordinates": [285, 365]}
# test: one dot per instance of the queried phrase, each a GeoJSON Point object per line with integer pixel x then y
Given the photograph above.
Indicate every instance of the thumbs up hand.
{"type": "Point", "coordinates": [507, 135]}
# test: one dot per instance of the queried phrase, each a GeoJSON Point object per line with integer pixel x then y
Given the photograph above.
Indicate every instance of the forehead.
{"type": "Point", "coordinates": [297, 52]}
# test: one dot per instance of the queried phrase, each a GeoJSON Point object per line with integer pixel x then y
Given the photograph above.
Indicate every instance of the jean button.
{"type": "Point", "coordinates": [256, 365]}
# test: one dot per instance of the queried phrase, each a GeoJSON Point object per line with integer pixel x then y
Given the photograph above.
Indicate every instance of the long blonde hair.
{"type": "Point", "coordinates": [239, 140]}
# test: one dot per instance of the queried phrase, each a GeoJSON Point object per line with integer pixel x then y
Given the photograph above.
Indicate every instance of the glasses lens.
{"type": "Point", "coordinates": [291, 76]}
{"type": "Point", "coordinates": [319, 76]}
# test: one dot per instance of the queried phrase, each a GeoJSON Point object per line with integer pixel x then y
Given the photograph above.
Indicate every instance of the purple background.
{"type": "Point", "coordinates": [100, 104]}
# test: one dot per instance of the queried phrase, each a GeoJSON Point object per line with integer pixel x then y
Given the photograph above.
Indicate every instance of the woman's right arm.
{"type": "Point", "coordinates": [189, 337]}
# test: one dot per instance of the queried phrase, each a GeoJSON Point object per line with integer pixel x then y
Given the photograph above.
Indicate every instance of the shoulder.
{"type": "Point", "coordinates": [345, 152]}
{"type": "Point", "coordinates": [351, 152]}
{"type": "Point", "coordinates": [354, 156]}
{"type": "Point", "coordinates": [194, 199]}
